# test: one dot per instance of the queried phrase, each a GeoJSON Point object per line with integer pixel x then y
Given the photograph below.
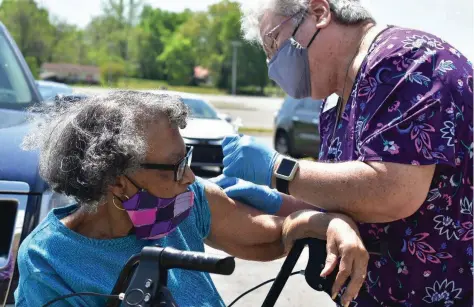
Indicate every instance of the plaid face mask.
{"type": "Point", "coordinates": [155, 217]}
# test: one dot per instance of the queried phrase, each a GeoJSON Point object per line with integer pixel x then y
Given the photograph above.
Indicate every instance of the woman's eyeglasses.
{"type": "Point", "coordinates": [179, 168]}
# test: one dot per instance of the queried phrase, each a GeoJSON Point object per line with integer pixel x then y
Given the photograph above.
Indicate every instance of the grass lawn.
{"type": "Point", "coordinates": [144, 84]}
{"type": "Point", "coordinates": [255, 130]}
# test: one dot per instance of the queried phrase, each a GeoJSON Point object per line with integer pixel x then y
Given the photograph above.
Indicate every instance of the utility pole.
{"type": "Point", "coordinates": [235, 45]}
{"type": "Point", "coordinates": [109, 74]}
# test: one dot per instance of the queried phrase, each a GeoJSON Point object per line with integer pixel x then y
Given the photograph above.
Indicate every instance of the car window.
{"type": "Point", "coordinates": [13, 85]}
{"type": "Point", "coordinates": [289, 104]}
{"type": "Point", "coordinates": [200, 109]}
{"type": "Point", "coordinates": [312, 105]}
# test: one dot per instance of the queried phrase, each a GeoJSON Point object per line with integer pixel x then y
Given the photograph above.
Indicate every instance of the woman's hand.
{"type": "Point", "coordinates": [343, 241]}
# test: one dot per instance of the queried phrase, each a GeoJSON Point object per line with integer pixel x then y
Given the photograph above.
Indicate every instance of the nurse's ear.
{"type": "Point", "coordinates": [321, 12]}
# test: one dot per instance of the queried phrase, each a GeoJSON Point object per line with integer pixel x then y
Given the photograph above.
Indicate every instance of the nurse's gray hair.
{"type": "Point", "coordinates": [83, 146]}
{"type": "Point", "coordinates": [346, 12]}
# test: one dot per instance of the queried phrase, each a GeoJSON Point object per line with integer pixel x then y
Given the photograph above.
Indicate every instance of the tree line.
{"type": "Point", "coordinates": [132, 39]}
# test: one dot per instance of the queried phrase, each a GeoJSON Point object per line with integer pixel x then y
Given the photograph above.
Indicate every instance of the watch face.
{"type": "Point", "coordinates": [285, 168]}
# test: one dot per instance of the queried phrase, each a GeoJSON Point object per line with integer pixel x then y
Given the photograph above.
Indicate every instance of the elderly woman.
{"type": "Point", "coordinates": [121, 156]}
{"type": "Point", "coordinates": [401, 134]}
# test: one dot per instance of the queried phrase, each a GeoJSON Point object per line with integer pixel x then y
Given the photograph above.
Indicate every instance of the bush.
{"type": "Point", "coordinates": [112, 72]}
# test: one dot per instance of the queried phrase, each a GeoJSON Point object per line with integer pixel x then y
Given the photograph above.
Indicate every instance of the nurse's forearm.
{"type": "Point", "coordinates": [341, 187]}
{"type": "Point", "coordinates": [373, 193]}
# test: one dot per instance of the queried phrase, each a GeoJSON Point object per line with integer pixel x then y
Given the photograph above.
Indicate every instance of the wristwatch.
{"type": "Point", "coordinates": [285, 173]}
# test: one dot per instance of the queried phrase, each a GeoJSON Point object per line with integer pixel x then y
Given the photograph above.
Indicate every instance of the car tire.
{"type": "Point", "coordinates": [282, 143]}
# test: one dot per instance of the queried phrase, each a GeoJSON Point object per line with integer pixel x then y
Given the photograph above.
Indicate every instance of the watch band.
{"type": "Point", "coordinates": [282, 186]}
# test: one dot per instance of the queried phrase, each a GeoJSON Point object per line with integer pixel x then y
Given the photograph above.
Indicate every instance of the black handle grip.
{"type": "Point", "coordinates": [197, 261]}
{"type": "Point", "coordinates": [316, 261]}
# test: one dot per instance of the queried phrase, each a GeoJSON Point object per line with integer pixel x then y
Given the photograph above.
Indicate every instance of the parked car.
{"type": "Point", "coordinates": [206, 130]}
{"type": "Point", "coordinates": [297, 127]}
{"type": "Point", "coordinates": [25, 198]}
{"type": "Point", "coordinates": [49, 89]}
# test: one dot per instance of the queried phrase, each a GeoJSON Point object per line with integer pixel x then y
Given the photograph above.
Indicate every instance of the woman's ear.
{"type": "Point", "coordinates": [119, 187]}
{"type": "Point", "coordinates": [321, 11]}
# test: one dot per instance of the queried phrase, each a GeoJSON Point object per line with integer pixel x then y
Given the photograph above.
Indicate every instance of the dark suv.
{"type": "Point", "coordinates": [297, 127]}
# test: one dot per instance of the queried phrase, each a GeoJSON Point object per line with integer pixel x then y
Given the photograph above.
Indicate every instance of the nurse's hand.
{"type": "Point", "coordinates": [258, 196]}
{"type": "Point", "coordinates": [248, 159]}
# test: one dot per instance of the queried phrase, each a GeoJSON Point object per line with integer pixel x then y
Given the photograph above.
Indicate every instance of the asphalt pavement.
{"type": "Point", "coordinates": [249, 274]}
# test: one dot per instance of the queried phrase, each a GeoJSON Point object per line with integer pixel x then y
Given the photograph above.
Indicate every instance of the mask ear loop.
{"type": "Point", "coordinates": [312, 38]}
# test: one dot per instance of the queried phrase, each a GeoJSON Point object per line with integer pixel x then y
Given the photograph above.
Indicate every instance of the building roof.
{"type": "Point", "coordinates": [64, 67]}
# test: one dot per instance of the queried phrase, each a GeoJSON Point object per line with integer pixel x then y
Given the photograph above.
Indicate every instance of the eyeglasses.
{"type": "Point", "coordinates": [179, 168]}
{"type": "Point", "coordinates": [271, 49]}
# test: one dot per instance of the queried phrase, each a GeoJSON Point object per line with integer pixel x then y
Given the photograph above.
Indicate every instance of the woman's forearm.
{"type": "Point", "coordinates": [307, 223]}
{"type": "Point", "coordinates": [291, 205]}
{"type": "Point", "coordinates": [298, 225]}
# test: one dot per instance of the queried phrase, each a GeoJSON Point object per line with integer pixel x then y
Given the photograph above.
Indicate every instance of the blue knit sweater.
{"type": "Point", "coordinates": [54, 260]}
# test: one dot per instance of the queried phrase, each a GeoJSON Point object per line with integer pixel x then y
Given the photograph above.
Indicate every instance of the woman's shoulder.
{"type": "Point", "coordinates": [199, 189]}
{"type": "Point", "coordinates": [33, 249]}
{"type": "Point", "coordinates": [34, 252]}
{"type": "Point", "coordinates": [201, 209]}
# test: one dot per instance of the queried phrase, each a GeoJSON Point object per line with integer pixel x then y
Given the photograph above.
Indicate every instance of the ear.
{"type": "Point", "coordinates": [321, 11]}
{"type": "Point", "coordinates": [119, 187]}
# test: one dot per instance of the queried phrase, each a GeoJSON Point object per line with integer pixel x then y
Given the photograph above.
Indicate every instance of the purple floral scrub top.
{"type": "Point", "coordinates": [412, 104]}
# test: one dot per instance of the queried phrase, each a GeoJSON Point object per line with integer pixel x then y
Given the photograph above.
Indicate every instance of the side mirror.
{"type": "Point", "coordinates": [225, 117]}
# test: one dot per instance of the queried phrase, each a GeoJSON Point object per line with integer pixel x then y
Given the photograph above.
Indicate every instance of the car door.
{"type": "Point", "coordinates": [306, 127]}
{"type": "Point", "coordinates": [313, 107]}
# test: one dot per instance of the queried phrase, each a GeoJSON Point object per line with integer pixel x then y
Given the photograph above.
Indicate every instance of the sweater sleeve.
{"type": "Point", "coordinates": [201, 208]}
{"type": "Point", "coordinates": [39, 288]}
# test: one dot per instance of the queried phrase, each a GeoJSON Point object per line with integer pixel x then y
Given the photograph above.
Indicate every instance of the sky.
{"type": "Point", "coordinates": [452, 20]}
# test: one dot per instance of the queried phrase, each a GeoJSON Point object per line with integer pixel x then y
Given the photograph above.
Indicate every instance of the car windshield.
{"type": "Point", "coordinates": [48, 92]}
{"type": "Point", "coordinates": [13, 85]}
{"type": "Point", "coordinates": [200, 109]}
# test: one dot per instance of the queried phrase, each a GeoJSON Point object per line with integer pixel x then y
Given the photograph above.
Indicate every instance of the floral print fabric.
{"type": "Point", "coordinates": [412, 104]}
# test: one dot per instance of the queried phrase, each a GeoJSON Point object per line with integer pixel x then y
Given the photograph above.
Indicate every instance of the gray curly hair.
{"type": "Point", "coordinates": [85, 145]}
{"type": "Point", "coordinates": [345, 12]}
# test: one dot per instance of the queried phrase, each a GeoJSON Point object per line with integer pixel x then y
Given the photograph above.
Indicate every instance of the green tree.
{"type": "Point", "coordinates": [68, 45]}
{"type": "Point", "coordinates": [110, 36]}
{"type": "Point", "coordinates": [29, 26]}
{"type": "Point", "coordinates": [179, 60]}
{"type": "Point", "coordinates": [33, 64]}
{"type": "Point", "coordinates": [214, 32]}
{"type": "Point", "coordinates": [111, 72]}
{"type": "Point", "coordinates": [155, 30]}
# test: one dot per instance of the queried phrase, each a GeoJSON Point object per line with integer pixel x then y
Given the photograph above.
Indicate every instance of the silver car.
{"type": "Point", "coordinates": [206, 130]}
